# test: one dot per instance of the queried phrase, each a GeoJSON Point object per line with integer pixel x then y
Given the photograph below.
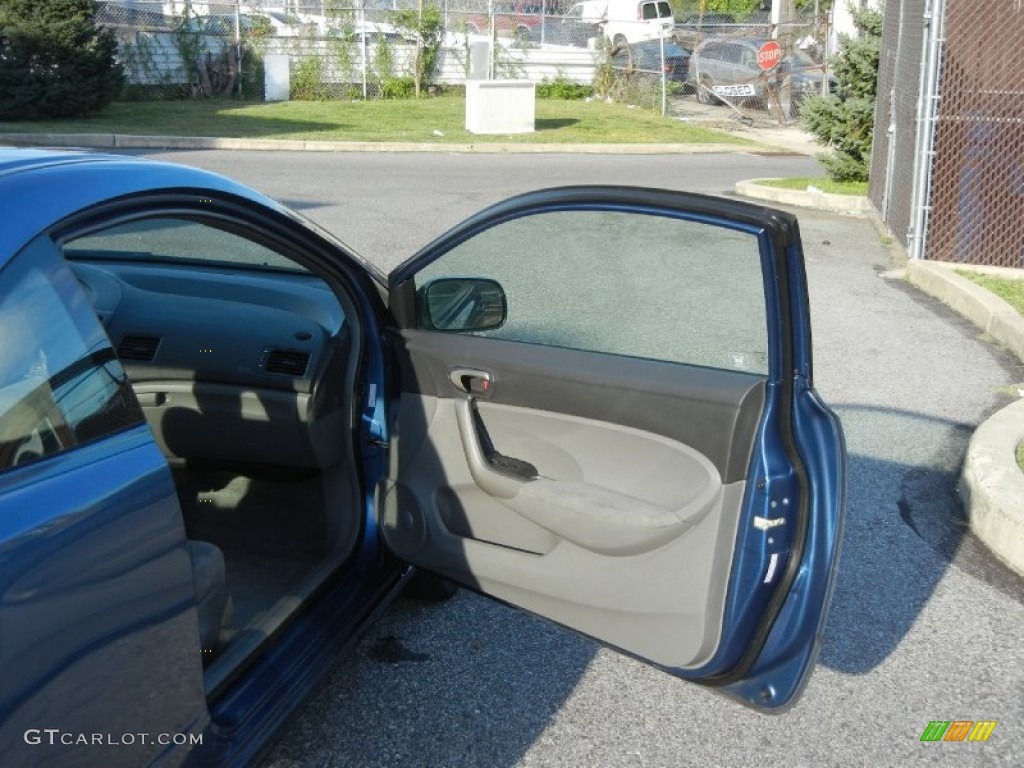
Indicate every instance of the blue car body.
{"type": "Point", "coordinates": [98, 598]}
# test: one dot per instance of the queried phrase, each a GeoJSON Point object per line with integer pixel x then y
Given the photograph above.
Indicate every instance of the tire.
{"type": "Point", "coordinates": [704, 94]}
{"type": "Point", "coordinates": [430, 588]}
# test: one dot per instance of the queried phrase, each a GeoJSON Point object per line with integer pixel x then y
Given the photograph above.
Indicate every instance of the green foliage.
{"type": "Point", "coordinates": [741, 9]}
{"type": "Point", "coordinates": [808, 5]}
{"type": "Point", "coordinates": [253, 76]}
{"type": "Point", "coordinates": [604, 73]}
{"type": "Point", "coordinates": [383, 64]}
{"type": "Point", "coordinates": [307, 80]}
{"type": "Point", "coordinates": [856, 67]}
{"type": "Point", "coordinates": [426, 25]}
{"type": "Point", "coordinates": [403, 87]}
{"type": "Point", "coordinates": [54, 60]}
{"type": "Point", "coordinates": [214, 69]}
{"type": "Point", "coordinates": [343, 46]}
{"type": "Point", "coordinates": [390, 85]}
{"type": "Point", "coordinates": [738, 8]}
{"type": "Point", "coordinates": [845, 122]}
{"type": "Point", "coordinates": [561, 88]}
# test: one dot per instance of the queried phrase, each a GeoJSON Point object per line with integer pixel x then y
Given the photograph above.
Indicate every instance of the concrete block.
{"type": "Point", "coordinates": [276, 77]}
{"type": "Point", "coordinates": [500, 106]}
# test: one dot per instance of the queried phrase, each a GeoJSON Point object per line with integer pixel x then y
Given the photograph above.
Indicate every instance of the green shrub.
{"type": "Point", "coordinates": [604, 74]}
{"type": "Point", "coordinates": [845, 122]}
{"type": "Point", "coordinates": [403, 87]}
{"type": "Point", "coordinates": [307, 80]}
{"type": "Point", "coordinates": [426, 24]}
{"type": "Point", "coordinates": [561, 88]}
{"type": "Point", "coordinates": [54, 60]}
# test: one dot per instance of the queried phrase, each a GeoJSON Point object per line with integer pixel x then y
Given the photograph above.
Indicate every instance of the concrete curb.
{"type": "Point", "coordinates": [981, 307]}
{"type": "Point", "coordinates": [811, 198]}
{"type": "Point", "coordinates": [132, 141]}
{"type": "Point", "coordinates": [992, 485]}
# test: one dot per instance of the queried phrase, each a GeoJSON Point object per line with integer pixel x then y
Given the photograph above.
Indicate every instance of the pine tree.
{"type": "Point", "coordinates": [845, 122]}
{"type": "Point", "coordinates": [54, 60]}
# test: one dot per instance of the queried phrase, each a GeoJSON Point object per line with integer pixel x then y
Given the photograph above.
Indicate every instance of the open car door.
{"type": "Point", "coordinates": [607, 418]}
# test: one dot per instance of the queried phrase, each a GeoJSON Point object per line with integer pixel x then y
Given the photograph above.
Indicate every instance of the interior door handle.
{"type": "Point", "coordinates": [472, 381]}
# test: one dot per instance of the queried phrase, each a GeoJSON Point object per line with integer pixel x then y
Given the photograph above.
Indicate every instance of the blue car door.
{"type": "Point", "coordinates": [99, 652]}
{"type": "Point", "coordinates": [607, 418]}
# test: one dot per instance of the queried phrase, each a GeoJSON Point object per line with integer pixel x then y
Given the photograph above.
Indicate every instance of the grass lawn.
{"type": "Point", "coordinates": [822, 183]}
{"type": "Point", "coordinates": [1010, 291]}
{"type": "Point", "coordinates": [418, 120]}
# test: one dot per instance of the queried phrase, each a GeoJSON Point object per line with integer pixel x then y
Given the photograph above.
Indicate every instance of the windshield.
{"type": "Point", "coordinates": [175, 239]}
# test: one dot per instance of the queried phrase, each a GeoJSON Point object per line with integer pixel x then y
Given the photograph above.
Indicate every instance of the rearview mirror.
{"type": "Point", "coordinates": [462, 304]}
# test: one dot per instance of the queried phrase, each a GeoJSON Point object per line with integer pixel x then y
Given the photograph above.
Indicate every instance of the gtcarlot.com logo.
{"type": "Point", "coordinates": [55, 736]}
{"type": "Point", "coordinates": [958, 730]}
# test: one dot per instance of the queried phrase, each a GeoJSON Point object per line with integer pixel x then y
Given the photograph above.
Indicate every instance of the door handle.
{"type": "Point", "coordinates": [472, 381]}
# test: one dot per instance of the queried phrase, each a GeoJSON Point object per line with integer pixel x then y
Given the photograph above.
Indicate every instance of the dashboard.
{"type": "Point", "coordinates": [229, 365]}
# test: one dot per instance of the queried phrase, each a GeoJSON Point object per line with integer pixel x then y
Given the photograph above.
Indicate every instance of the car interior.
{"type": "Point", "coordinates": [564, 464]}
{"type": "Point", "coordinates": [243, 363]}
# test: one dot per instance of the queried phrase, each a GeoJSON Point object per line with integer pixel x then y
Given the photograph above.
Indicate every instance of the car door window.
{"type": "Point", "coordinates": [638, 285]}
{"type": "Point", "coordinates": [61, 384]}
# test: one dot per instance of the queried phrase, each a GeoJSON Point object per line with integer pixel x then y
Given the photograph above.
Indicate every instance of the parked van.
{"type": "Point", "coordinates": [627, 21]}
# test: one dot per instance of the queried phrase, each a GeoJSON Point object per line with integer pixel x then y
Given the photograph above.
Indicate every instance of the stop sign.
{"type": "Point", "coordinates": [769, 55]}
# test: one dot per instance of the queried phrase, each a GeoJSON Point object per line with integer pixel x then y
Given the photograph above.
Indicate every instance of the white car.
{"type": "Point", "coordinates": [626, 21]}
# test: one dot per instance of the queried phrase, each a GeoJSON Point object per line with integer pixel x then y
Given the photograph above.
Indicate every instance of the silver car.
{"type": "Point", "coordinates": [726, 69]}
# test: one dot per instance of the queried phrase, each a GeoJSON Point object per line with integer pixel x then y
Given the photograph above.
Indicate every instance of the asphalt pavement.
{"type": "Point", "coordinates": [925, 624]}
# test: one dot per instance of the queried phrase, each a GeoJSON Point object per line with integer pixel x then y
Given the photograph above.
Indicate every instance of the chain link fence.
{"type": "Point", "coordinates": [977, 186]}
{"type": "Point", "coordinates": [690, 66]}
{"type": "Point", "coordinates": [946, 173]}
{"type": "Point", "coordinates": [894, 155]}
{"type": "Point", "coordinates": [338, 49]}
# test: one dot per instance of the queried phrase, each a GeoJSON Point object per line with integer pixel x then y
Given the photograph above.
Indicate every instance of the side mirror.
{"type": "Point", "coordinates": [462, 304]}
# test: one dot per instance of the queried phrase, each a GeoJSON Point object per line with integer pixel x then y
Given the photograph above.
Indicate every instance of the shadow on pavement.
{"type": "Point", "coordinates": [885, 575]}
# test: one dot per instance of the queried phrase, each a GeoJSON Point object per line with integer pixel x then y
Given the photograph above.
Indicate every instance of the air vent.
{"type": "Point", "coordinates": [286, 362]}
{"type": "Point", "coordinates": [141, 348]}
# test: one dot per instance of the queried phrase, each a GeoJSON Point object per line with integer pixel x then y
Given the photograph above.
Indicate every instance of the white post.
{"type": "Point", "coordinates": [664, 84]}
{"type": "Point", "coordinates": [782, 11]}
{"type": "Point", "coordinates": [927, 106]}
{"type": "Point", "coordinates": [490, 41]}
{"type": "Point", "coordinates": [238, 45]}
{"type": "Point", "coordinates": [362, 27]}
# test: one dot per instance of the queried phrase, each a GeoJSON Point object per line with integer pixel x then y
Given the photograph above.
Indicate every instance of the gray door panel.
{"type": "Point", "coordinates": [625, 531]}
{"type": "Point", "coordinates": [722, 408]}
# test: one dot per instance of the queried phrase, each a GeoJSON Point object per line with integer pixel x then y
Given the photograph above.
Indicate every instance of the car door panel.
{"type": "Point", "coordinates": [97, 596]}
{"type": "Point", "coordinates": [98, 605]}
{"type": "Point", "coordinates": [632, 392]}
{"type": "Point", "coordinates": [574, 461]}
{"type": "Point", "coordinates": [618, 504]}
